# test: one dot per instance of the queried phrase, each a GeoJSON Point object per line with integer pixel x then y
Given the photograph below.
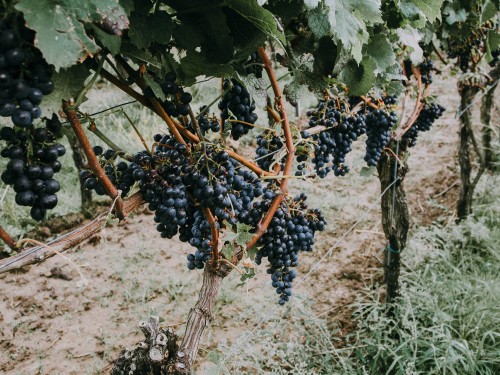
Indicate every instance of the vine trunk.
{"type": "Point", "coordinates": [395, 214]}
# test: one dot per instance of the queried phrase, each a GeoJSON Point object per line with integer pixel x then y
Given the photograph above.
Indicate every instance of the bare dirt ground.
{"type": "Point", "coordinates": [54, 321]}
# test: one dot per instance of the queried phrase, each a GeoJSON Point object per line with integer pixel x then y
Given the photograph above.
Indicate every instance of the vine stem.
{"type": "Point", "coordinates": [280, 107]}
{"type": "Point", "coordinates": [368, 102]}
{"type": "Point", "coordinates": [9, 241]}
{"type": "Point", "coordinates": [273, 114]}
{"type": "Point", "coordinates": [93, 163]}
{"type": "Point", "coordinates": [247, 163]}
{"type": "Point", "coordinates": [215, 235]}
{"type": "Point", "coordinates": [168, 120]}
{"type": "Point", "coordinates": [65, 242]}
{"type": "Point", "coordinates": [421, 94]}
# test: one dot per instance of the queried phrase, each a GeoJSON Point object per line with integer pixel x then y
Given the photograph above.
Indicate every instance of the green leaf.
{"type": "Point", "coordinates": [139, 56]}
{"type": "Point", "coordinates": [127, 5]}
{"type": "Point", "coordinates": [228, 250]}
{"type": "Point", "coordinates": [67, 83]}
{"type": "Point", "coordinates": [394, 88]}
{"type": "Point", "coordinates": [490, 10]}
{"type": "Point", "coordinates": [318, 22]}
{"type": "Point", "coordinates": [155, 86]}
{"type": "Point", "coordinates": [410, 37]}
{"type": "Point", "coordinates": [380, 49]}
{"type": "Point", "coordinates": [111, 42]}
{"type": "Point", "coordinates": [59, 26]}
{"type": "Point", "coordinates": [311, 4]}
{"type": "Point", "coordinates": [249, 274]}
{"type": "Point", "coordinates": [196, 64]}
{"type": "Point", "coordinates": [367, 171]}
{"type": "Point", "coordinates": [240, 236]}
{"type": "Point", "coordinates": [234, 237]}
{"type": "Point", "coordinates": [431, 9]}
{"type": "Point", "coordinates": [492, 44]}
{"type": "Point", "coordinates": [359, 79]}
{"type": "Point", "coordinates": [146, 29]}
{"type": "Point", "coordinates": [261, 18]}
{"type": "Point", "coordinates": [454, 15]}
{"type": "Point", "coordinates": [349, 20]}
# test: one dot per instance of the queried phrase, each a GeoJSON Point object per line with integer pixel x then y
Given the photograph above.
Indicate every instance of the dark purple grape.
{"type": "Point", "coordinates": [38, 213]}
{"type": "Point", "coordinates": [21, 118]}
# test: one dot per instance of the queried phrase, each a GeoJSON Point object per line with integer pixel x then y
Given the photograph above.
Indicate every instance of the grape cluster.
{"type": "Point", "coordinates": [33, 154]}
{"type": "Point", "coordinates": [463, 52]}
{"type": "Point", "coordinates": [237, 103]}
{"type": "Point", "coordinates": [177, 102]}
{"type": "Point", "coordinates": [378, 129]}
{"type": "Point", "coordinates": [179, 185]}
{"type": "Point", "coordinates": [334, 143]}
{"type": "Point", "coordinates": [208, 123]}
{"type": "Point", "coordinates": [120, 173]}
{"type": "Point", "coordinates": [268, 144]}
{"type": "Point", "coordinates": [426, 118]}
{"type": "Point", "coordinates": [426, 68]}
{"type": "Point", "coordinates": [390, 100]}
{"type": "Point", "coordinates": [254, 65]}
{"type": "Point", "coordinates": [291, 230]}
{"type": "Point", "coordinates": [25, 77]}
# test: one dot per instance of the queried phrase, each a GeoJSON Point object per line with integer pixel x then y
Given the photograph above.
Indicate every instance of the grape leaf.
{"type": "Point", "coordinates": [490, 9]}
{"type": "Point", "coordinates": [380, 49]}
{"type": "Point", "coordinates": [492, 43]}
{"type": "Point", "coordinates": [249, 273]}
{"type": "Point", "coordinates": [146, 29]}
{"type": "Point", "coordinates": [59, 26]}
{"type": "Point", "coordinates": [454, 15]}
{"type": "Point", "coordinates": [155, 87]}
{"type": "Point", "coordinates": [261, 18]}
{"type": "Point", "coordinates": [367, 171]}
{"type": "Point", "coordinates": [430, 8]}
{"type": "Point", "coordinates": [359, 78]}
{"type": "Point", "coordinates": [318, 22]}
{"type": "Point", "coordinates": [349, 20]}
{"type": "Point", "coordinates": [311, 3]}
{"type": "Point", "coordinates": [111, 42]}
{"type": "Point", "coordinates": [410, 37]}
{"type": "Point", "coordinates": [68, 82]}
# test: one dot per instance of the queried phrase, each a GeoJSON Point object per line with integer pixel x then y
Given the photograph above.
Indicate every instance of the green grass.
{"type": "Point", "coordinates": [447, 320]}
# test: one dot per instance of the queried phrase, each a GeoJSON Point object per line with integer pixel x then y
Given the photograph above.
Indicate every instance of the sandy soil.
{"type": "Point", "coordinates": [54, 321]}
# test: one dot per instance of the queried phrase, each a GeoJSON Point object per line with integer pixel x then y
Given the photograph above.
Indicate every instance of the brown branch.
{"type": "Point", "coordinates": [214, 243]}
{"type": "Point", "coordinates": [419, 104]}
{"type": "Point", "coordinates": [368, 102]}
{"type": "Point", "coordinates": [280, 106]}
{"type": "Point", "coordinates": [126, 89]}
{"type": "Point", "coordinates": [282, 112]}
{"type": "Point", "coordinates": [273, 114]}
{"type": "Point", "coordinates": [92, 159]}
{"type": "Point", "coordinates": [168, 120]}
{"type": "Point", "coordinates": [38, 254]}
{"type": "Point", "coordinates": [262, 227]}
{"type": "Point", "coordinates": [247, 163]}
{"type": "Point", "coordinates": [9, 241]}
